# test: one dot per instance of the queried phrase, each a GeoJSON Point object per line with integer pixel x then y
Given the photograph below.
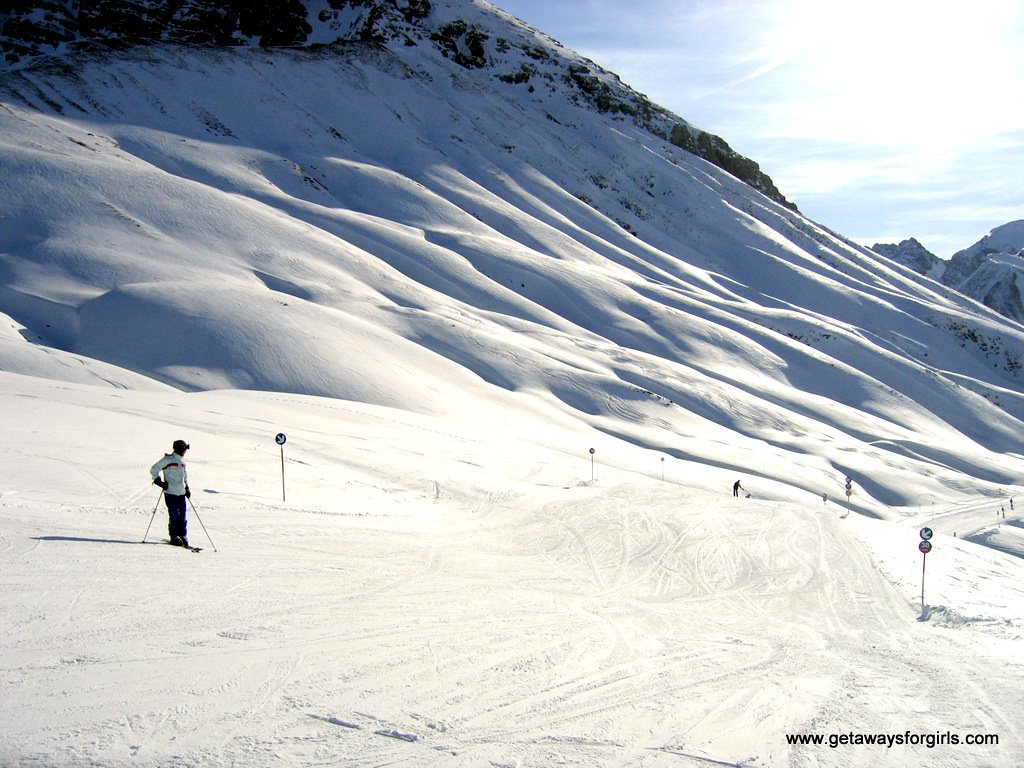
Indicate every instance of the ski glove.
{"type": "Point", "coordinates": [188, 492]}
{"type": "Point", "coordinates": [161, 483]}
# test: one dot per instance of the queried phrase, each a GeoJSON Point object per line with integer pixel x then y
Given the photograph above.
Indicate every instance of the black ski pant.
{"type": "Point", "coordinates": [177, 525]}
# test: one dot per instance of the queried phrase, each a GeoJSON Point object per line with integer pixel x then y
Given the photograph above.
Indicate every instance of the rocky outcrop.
{"type": "Point", "coordinates": [911, 254]}
{"type": "Point", "coordinates": [469, 34]}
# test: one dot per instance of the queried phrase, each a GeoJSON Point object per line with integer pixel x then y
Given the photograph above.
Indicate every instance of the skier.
{"type": "Point", "coordinates": [176, 490]}
{"type": "Point", "coordinates": [736, 488]}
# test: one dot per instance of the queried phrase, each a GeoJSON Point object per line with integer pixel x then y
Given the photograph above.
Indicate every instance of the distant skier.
{"type": "Point", "coordinates": [736, 488]}
{"type": "Point", "coordinates": [176, 490]}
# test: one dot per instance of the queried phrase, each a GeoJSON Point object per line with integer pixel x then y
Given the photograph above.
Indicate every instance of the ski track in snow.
{"type": "Point", "coordinates": [621, 622]}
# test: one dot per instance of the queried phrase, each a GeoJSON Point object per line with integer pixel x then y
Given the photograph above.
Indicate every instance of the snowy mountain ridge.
{"type": "Point", "coordinates": [474, 35]}
{"type": "Point", "coordinates": [990, 271]}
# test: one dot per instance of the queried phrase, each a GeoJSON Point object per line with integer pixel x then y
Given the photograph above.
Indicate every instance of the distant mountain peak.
{"type": "Point", "coordinates": [1006, 238]}
{"type": "Point", "coordinates": [990, 271]}
{"type": "Point", "coordinates": [911, 254]}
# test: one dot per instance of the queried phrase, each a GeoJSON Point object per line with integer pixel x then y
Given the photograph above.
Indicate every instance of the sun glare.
{"type": "Point", "coordinates": [908, 69]}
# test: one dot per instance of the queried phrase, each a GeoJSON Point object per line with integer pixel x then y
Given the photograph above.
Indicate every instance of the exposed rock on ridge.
{"type": "Point", "coordinates": [33, 28]}
{"type": "Point", "coordinates": [911, 254]}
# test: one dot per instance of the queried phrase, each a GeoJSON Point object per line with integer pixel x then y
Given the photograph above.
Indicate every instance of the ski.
{"type": "Point", "coordinates": [182, 546]}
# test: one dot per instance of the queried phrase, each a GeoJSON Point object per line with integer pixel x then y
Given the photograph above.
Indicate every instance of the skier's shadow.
{"type": "Point", "coordinates": [83, 540]}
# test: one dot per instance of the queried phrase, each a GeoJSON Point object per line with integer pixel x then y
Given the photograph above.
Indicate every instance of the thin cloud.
{"type": "Point", "coordinates": [872, 117]}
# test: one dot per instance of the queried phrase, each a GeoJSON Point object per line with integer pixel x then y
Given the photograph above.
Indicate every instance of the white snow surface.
{"type": "Point", "coordinates": [428, 285]}
{"type": "Point", "coordinates": [442, 591]}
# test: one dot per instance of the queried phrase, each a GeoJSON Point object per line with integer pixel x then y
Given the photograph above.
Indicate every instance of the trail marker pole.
{"type": "Point", "coordinates": [849, 493]}
{"type": "Point", "coordinates": [925, 545]}
{"type": "Point", "coordinates": [592, 452]}
{"type": "Point", "coordinates": [663, 468]}
{"type": "Point", "coordinates": [281, 440]}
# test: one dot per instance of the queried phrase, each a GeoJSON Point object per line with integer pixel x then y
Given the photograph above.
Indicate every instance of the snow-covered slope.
{"type": "Point", "coordinates": [469, 591]}
{"type": "Point", "coordinates": [447, 287]}
{"type": "Point", "coordinates": [342, 222]}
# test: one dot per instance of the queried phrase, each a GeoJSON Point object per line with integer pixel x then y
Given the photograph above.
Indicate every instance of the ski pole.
{"type": "Point", "coordinates": [152, 517]}
{"type": "Point", "coordinates": [201, 523]}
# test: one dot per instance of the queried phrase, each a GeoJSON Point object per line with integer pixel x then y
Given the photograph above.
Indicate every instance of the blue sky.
{"type": "Point", "coordinates": [880, 119]}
